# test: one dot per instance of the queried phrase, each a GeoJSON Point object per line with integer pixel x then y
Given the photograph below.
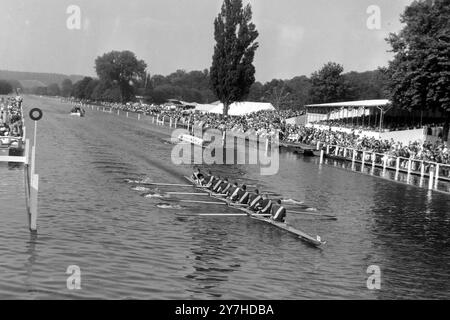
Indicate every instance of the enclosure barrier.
{"type": "Point", "coordinates": [432, 170]}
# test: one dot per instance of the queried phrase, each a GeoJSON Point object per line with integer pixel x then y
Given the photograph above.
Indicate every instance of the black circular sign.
{"type": "Point", "coordinates": [34, 116]}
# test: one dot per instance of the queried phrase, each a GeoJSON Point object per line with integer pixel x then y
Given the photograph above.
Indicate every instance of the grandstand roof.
{"type": "Point", "coordinates": [361, 103]}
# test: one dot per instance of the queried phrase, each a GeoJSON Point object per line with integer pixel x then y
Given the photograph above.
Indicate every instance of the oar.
{"type": "Point", "coordinates": [189, 193]}
{"type": "Point", "coordinates": [166, 184]}
{"type": "Point", "coordinates": [232, 204]}
{"type": "Point", "coordinates": [205, 202]}
{"type": "Point", "coordinates": [312, 214]}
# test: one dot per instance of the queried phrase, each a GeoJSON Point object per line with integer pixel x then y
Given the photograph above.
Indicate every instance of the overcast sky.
{"type": "Point", "coordinates": [296, 36]}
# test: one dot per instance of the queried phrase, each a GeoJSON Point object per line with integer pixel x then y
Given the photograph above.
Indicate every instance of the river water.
{"type": "Point", "coordinates": [129, 243]}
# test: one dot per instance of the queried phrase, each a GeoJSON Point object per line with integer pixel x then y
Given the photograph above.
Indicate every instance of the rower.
{"type": "Point", "coordinates": [241, 196]}
{"type": "Point", "coordinates": [278, 212]}
{"type": "Point", "coordinates": [254, 200]}
{"type": "Point", "coordinates": [265, 205]}
{"type": "Point", "coordinates": [209, 178]}
{"type": "Point", "coordinates": [224, 187]}
{"type": "Point", "coordinates": [217, 184]}
{"type": "Point", "coordinates": [232, 192]}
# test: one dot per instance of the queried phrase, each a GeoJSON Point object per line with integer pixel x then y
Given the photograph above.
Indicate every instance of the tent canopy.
{"type": "Point", "coordinates": [237, 108]}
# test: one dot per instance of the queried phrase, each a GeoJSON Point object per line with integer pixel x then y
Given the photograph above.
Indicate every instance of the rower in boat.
{"type": "Point", "coordinates": [240, 195]}
{"type": "Point", "coordinates": [278, 212]}
{"type": "Point", "coordinates": [224, 187]}
{"type": "Point", "coordinates": [254, 201]}
{"type": "Point", "coordinates": [265, 205]}
{"type": "Point", "coordinates": [209, 179]}
{"type": "Point", "coordinates": [232, 192]}
{"type": "Point", "coordinates": [216, 185]}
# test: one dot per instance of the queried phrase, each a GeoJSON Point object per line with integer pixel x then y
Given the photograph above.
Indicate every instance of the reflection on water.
{"type": "Point", "coordinates": [130, 244]}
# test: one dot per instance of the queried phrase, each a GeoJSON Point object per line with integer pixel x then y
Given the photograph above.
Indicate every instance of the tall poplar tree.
{"type": "Point", "coordinates": [232, 71]}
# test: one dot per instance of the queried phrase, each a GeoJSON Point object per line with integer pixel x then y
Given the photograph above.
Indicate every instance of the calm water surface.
{"type": "Point", "coordinates": [129, 243]}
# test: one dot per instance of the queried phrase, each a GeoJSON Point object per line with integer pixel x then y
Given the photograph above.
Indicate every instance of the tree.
{"type": "Point", "coordinates": [232, 71]}
{"type": "Point", "coordinates": [328, 84]}
{"type": "Point", "coordinates": [5, 87]}
{"type": "Point", "coordinates": [79, 88]}
{"type": "Point", "coordinates": [66, 88]}
{"type": "Point", "coordinates": [277, 93]}
{"type": "Point", "coordinates": [419, 74]}
{"type": "Point", "coordinates": [53, 90]}
{"type": "Point", "coordinates": [123, 69]}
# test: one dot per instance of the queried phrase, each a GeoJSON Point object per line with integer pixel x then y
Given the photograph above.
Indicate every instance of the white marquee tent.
{"type": "Point", "coordinates": [237, 108]}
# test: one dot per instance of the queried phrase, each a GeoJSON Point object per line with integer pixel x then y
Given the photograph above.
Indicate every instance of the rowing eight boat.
{"type": "Point", "coordinates": [305, 237]}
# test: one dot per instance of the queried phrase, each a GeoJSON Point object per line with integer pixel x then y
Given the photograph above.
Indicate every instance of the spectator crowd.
{"type": "Point", "coordinates": [266, 123]}
{"type": "Point", "coordinates": [10, 118]}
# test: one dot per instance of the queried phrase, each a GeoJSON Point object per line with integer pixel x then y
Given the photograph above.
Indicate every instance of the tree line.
{"type": "Point", "coordinates": [327, 84]}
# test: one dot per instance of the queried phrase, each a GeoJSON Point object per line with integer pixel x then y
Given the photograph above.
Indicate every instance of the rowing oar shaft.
{"type": "Point", "coordinates": [166, 184]}
{"type": "Point", "coordinates": [206, 202]}
{"type": "Point", "coordinates": [312, 214]}
{"type": "Point", "coordinates": [189, 193]}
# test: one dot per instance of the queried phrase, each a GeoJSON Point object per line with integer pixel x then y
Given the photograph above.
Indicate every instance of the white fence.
{"type": "Point", "coordinates": [433, 170]}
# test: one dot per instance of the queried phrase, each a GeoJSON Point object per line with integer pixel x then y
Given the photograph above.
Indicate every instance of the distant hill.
{"type": "Point", "coordinates": [29, 78]}
{"type": "Point", "coordinates": [29, 84]}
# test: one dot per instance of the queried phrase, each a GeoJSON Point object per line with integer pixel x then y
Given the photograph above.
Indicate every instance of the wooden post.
{"type": "Point", "coordinates": [153, 119]}
{"type": "Point", "coordinates": [170, 122]}
{"type": "Point", "coordinates": [363, 160]}
{"type": "Point", "coordinates": [336, 151]}
{"type": "Point", "coordinates": [430, 181]}
{"type": "Point", "coordinates": [321, 156]}
{"type": "Point", "coordinates": [409, 166]}
{"type": "Point", "coordinates": [318, 145]}
{"type": "Point", "coordinates": [267, 145]}
{"type": "Point", "coordinates": [224, 137]}
{"type": "Point", "coordinates": [353, 156]}
{"type": "Point", "coordinates": [436, 176]}
{"type": "Point", "coordinates": [385, 159]}
{"type": "Point", "coordinates": [139, 116]}
{"type": "Point", "coordinates": [397, 167]}
{"type": "Point", "coordinates": [328, 149]}
{"type": "Point", "coordinates": [176, 122]}
{"type": "Point", "coordinates": [422, 169]}
{"type": "Point", "coordinates": [127, 114]}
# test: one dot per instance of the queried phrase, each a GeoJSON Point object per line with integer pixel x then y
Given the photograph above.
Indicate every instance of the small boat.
{"type": "Point", "coordinates": [284, 226]}
{"type": "Point", "coordinates": [77, 112]}
{"type": "Point", "coordinates": [298, 147]}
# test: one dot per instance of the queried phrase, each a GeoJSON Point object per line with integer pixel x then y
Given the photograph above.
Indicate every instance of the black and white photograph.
{"type": "Point", "coordinates": [224, 155]}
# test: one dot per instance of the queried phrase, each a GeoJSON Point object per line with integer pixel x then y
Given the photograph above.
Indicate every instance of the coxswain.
{"type": "Point", "coordinates": [278, 212]}
{"type": "Point", "coordinates": [254, 200]}
{"type": "Point", "coordinates": [265, 205]}
{"type": "Point", "coordinates": [195, 173]}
